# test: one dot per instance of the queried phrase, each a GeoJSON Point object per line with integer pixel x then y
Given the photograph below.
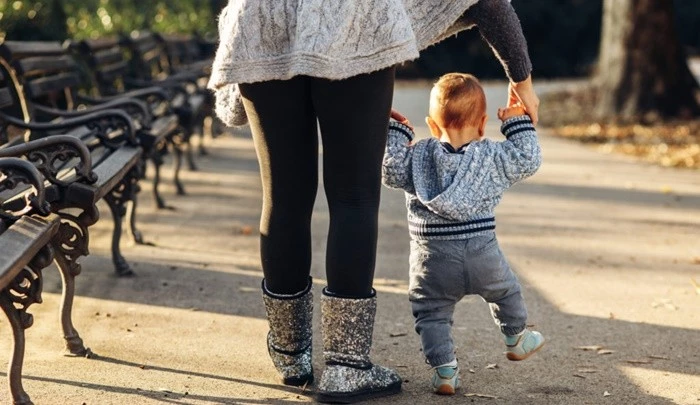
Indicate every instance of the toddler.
{"type": "Point", "coordinates": [453, 181]}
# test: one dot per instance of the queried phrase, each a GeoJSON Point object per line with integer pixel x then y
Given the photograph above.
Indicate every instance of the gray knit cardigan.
{"type": "Point", "coordinates": [452, 195]}
{"type": "Point", "coordinates": [279, 39]}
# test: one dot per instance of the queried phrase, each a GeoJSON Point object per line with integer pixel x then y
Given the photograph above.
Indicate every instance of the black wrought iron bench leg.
{"type": "Point", "coordinates": [117, 199]}
{"type": "Point", "coordinates": [70, 243]}
{"type": "Point", "coordinates": [15, 299]}
{"type": "Point", "coordinates": [157, 163]}
{"type": "Point", "coordinates": [177, 142]}
{"type": "Point", "coordinates": [14, 368]}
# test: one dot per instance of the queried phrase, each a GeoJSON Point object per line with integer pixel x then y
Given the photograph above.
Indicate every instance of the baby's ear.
{"type": "Point", "coordinates": [433, 126]}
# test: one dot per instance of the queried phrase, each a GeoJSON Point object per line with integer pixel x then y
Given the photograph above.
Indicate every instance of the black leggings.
{"type": "Point", "coordinates": [353, 115]}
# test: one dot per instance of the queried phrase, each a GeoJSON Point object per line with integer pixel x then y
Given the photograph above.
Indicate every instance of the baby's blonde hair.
{"type": "Point", "coordinates": [457, 100]}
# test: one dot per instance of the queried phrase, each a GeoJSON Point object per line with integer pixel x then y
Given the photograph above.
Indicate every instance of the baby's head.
{"type": "Point", "coordinates": [457, 105]}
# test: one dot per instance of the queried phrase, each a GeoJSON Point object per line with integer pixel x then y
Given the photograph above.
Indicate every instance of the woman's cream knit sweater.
{"type": "Point", "coordinates": [277, 39]}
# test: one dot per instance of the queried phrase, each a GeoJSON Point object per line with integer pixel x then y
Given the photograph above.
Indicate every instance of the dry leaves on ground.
{"type": "Point", "coordinates": [667, 144]}
{"type": "Point", "coordinates": [474, 394]}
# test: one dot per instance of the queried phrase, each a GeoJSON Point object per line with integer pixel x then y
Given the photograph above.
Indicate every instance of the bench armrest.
{"type": "Point", "coordinates": [92, 120]}
{"type": "Point", "coordinates": [46, 152]}
{"type": "Point", "coordinates": [14, 172]}
{"type": "Point", "coordinates": [137, 109]}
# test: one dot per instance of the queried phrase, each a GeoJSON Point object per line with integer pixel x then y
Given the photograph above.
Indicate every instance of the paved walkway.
{"type": "Point", "coordinates": [605, 246]}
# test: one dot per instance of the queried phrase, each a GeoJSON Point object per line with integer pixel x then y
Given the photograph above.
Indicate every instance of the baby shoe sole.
{"type": "Point", "coordinates": [445, 389]}
{"type": "Point", "coordinates": [516, 357]}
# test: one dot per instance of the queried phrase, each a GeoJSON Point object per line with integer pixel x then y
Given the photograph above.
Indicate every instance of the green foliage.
{"type": "Point", "coordinates": [79, 19]}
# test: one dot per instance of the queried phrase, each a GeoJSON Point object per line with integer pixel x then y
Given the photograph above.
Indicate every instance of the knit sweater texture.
{"type": "Point", "coordinates": [261, 41]}
{"type": "Point", "coordinates": [278, 39]}
{"type": "Point", "coordinates": [452, 195]}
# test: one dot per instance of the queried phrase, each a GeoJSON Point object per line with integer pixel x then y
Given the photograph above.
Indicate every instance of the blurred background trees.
{"type": "Point", "coordinates": [563, 35]}
{"type": "Point", "coordinates": [642, 69]}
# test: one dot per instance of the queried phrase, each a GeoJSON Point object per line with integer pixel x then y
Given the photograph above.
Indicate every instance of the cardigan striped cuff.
{"type": "Point", "coordinates": [516, 125]}
{"type": "Point", "coordinates": [397, 127]}
{"type": "Point", "coordinates": [452, 230]}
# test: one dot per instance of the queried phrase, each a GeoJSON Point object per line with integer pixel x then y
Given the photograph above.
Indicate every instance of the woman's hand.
{"type": "Point", "coordinates": [400, 118]}
{"type": "Point", "coordinates": [524, 93]}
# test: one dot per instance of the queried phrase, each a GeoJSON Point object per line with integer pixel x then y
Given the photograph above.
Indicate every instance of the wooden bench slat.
{"type": "Point", "coordinates": [42, 65]}
{"type": "Point", "coordinates": [108, 56]}
{"type": "Point", "coordinates": [6, 99]}
{"type": "Point", "coordinates": [46, 85]}
{"type": "Point", "coordinates": [22, 241]}
{"type": "Point", "coordinates": [10, 50]}
{"type": "Point", "coordinates": [112, 170]}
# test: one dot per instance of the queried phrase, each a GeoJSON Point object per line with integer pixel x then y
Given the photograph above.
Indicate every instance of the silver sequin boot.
{"type": "Point", "coordinates": [350, 376]}
{"type": "Point", "coordinates": [289, 339]}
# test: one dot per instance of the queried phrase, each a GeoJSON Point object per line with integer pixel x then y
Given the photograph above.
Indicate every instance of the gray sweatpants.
{"type": "Point", "coordinates": [444, 271]}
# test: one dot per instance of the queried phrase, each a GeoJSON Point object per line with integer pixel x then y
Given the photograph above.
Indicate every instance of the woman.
{"type": "Point", "coordinates": [286, 65]}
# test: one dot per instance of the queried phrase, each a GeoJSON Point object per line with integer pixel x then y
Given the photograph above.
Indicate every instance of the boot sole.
{"type": "Point", "coordinates": [299, 381]}
{"type": "Point", "coordinates": [350, 398]}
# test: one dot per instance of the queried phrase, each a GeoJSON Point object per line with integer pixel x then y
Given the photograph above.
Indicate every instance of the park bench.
{"type": "Point", "coordinates": [110, 139]}
{"type": "Point", "coordinates": [54, 88]}
{"type": "Point", "coordinates": [115, 73]}
{"type": "Point", "coordinates": [26, 235]}
{"type": "Point", "coordinates": [185, 54]}
{"type": "Point", "coordinates": [190, 54]}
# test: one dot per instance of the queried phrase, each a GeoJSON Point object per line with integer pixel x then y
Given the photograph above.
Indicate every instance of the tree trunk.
{"type": "Point", "coordinates": [642, 71]}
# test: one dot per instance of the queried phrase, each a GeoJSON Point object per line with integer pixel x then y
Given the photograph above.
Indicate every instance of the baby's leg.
{"type": "Point", "coordinates": [492, 278]}
{"type": "Point", "coordinates": [436, 284]}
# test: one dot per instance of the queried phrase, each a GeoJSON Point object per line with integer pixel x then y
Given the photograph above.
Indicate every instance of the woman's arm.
{"type": "Point", "coordinates": [500, 28]}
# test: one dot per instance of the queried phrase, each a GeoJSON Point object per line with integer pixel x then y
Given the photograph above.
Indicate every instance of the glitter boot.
{"type": "Point", "coordinates": [289, 339]}
{"type": "Point", "coordinates": [349, 375]}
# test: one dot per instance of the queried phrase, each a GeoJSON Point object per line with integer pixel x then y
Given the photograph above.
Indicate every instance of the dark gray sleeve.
{"type": "Point", "coordinates": [500, 28]}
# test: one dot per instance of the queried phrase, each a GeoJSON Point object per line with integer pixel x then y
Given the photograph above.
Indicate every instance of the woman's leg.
{"type": "Point", "coordinates": [283, 123]}
{"type": "Point", "coordinates": [354, 117]}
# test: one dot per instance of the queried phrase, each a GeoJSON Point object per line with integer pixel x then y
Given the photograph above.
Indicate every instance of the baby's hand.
{"type": "Point", "coordinates": [510, 112]}
{"type": "Point", "coordinates": [401, 118]}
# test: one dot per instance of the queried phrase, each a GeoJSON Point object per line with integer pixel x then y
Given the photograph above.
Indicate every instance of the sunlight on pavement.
{"type": "Point", "coordinates": [656, 382]}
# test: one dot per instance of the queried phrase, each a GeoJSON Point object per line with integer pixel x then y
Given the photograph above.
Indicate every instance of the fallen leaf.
{"type": "Point", "coordinates": [246, 230]}
{"type": "Point", "coordinates": [664, 302]}
{"type": "Point", "coordinates": [589, 348]}
{"type": "Point", "coordinates": [473, 394]}
{"type": "Point", "coordinates": [471, 370]}
{"type": "Point", "coordinates": [696, 260]}
{"type": "Point", "coordinates": [606, 394]}
{"type": "Point", "coordinates": [666, 189]}
{"type": "Point", "coordinates": [611, 316]}
{"type": "Point", "coordinates": [587, 370]}
{"type": "Point", "coordinates": [653, 356]}
{"type": "Point", "coordinates": [491, 366]}
{"type": "Point", "coordinates": [398, 334]}
{"type": "Point", "coordinates": [605, 351]}
{"type": "Point", "coordinates": [638, 361]}
{"type": "Point", "coordinates": [695, 283]}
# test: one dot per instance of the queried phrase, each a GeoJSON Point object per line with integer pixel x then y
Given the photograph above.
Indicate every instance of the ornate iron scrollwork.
{"type": "Point", "coordinates": [25, 289]}
{"type": "Point", "coordinates": [13, 174]}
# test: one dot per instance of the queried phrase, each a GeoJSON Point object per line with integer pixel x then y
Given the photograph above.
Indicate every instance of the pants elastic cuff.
{"type": "Point", "coordinates": [442, 359]}
{"type": "Point", "coordinates": [512, 330]}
